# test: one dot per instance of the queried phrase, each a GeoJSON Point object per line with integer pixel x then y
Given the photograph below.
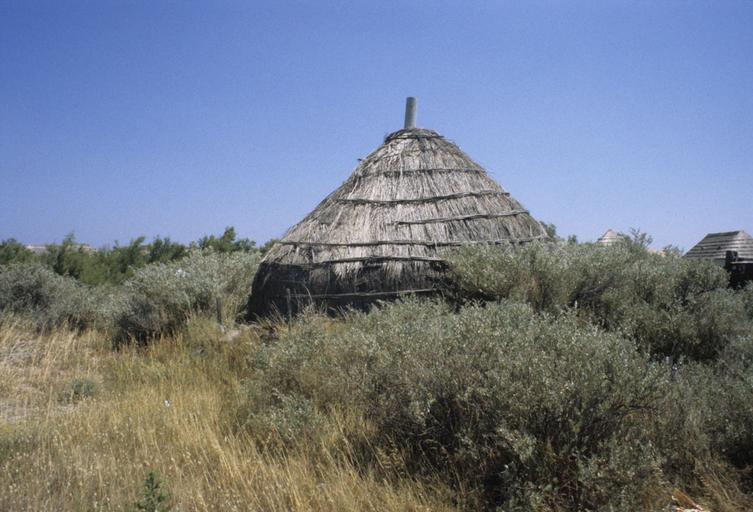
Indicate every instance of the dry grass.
{"type": "Point", "coordinates": [163, 409]}
{"type": "Point", "coordinates": [35, 368]}
{"type": "Point", "coordinates": [170, 409]}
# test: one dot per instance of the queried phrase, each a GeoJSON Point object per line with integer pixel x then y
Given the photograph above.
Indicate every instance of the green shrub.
{"type": "Point", "coordinates": [670, 305]}
{"type": "Point", "coordinates": [704, 424]}
{"type": "Point", "coordinates": [746, 295]}
{"type": "Point", "coordinates": [530, 410]}
{"type": "Point", "coordinates": [11, 251]}
{"type": "Point", "coordinates": [76, 390]}
{"type": "Point", "coordinates": [160, 297]}
{"type": "Point", "coordinates": [290, 418]}
{"type": "Point", "coordinates": [227, 242]}
{"type": "Point", "coordinates": [535, 274]}
{"type": "Point", "coordinates": [37, 293]}
{"type": "Point", "coordinates": [731, 405]}
{"type": "Point", "coordinates": [154, 498]}
{"type": "Point", "coordinates": [113, 265]}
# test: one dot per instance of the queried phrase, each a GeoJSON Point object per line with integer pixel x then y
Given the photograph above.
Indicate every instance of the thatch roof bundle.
{"type": "Point", "coordinates": [714, 246]}
{"type": "Point", "coordinates": [385, 231]}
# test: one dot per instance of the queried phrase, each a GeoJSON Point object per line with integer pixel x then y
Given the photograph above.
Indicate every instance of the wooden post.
{"type": "Point", "coordinates": [410, 112]}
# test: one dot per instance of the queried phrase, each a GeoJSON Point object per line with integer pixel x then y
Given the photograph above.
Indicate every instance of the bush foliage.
{"type": "Point", "coordinates": [672, 306]}
{"type": "Point", "coordinates": [50, 300]}
{"type": "Point", "coordinates": [560, 376]}
{"type": "Point", "coordinates": [159, 298]}
{"type": "Point", "coordinates": [137, 291]}
{"type": "Point", "coordinates": [155, 301]}
{"type": "Point", "coordinates": [113, 265]}
{"type": "Point", "coordinates": [534, 411]}
{"type": "Point", "coordinates": [527, 408]}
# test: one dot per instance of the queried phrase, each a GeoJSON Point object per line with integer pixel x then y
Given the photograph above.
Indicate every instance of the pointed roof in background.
{"type": "Point", "coordinates": [715, 245]}
{"type": "Point", "coordinates": [610, 237]}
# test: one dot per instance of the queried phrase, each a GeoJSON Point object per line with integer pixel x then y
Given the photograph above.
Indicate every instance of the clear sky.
{"type": "Point", "coordinates": [123, 118]}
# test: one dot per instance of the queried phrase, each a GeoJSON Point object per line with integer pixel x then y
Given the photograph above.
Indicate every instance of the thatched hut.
{"type": "Point", "coordinates": [384, 232]}
{"type": "Point", "coordinates": [731, 249]}
{"type": "Point", "coordinates": [715, 246]}
{"type": "Point", "coordinates": [610, 237]}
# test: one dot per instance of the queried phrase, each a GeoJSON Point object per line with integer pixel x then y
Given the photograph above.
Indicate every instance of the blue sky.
{"type": "Point", "coordinates": [120, 119]}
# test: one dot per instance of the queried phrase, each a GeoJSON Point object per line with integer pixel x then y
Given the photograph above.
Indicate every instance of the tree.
{"type": "Point", "coordinates": [12, 251]}
{"type": "Point", "coordinates": [551, 230]}
{"type": "Point", "coordinates": [66, 259]}
{"type": "Point", "coordinates": [164, 250]}
{"type": "Point", "coordinates": [226, 242]}
{"type": "Point", "coordinates": [637, 240]}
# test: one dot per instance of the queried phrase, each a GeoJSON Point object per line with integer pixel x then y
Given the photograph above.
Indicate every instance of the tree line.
{"type": "Point", "coordinates": [114, 265]}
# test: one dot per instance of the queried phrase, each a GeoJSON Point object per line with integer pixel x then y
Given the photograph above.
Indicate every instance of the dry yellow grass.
{"type": "Point", "coordinates": [169, 409]}
{"type": "Point", "coordinates": [162, 409]}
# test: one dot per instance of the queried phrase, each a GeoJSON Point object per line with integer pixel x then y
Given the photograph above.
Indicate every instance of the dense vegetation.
{"type": "Point", "coordinates": [550, 378]}
{"type": "Point", "coordinates": [113, 265]}
{"type": "Point", "coordinates": [671, 306]}
{"type": "Point", "coordinates": [139, 291]}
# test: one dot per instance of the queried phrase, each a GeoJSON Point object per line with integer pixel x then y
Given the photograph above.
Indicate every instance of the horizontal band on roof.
{"type": "Point", "coordinates": [724, 234]}
{"type": "Point", "coordinates": [417, 136]}
{"type": "Point", "coordinates": [418, 171]}
{"type": "Point", "coordinates": [720, 249]}
{"type": "Point", "coordinates": [461, 217]}
{"type": "Point", "coordinates": [351, 295]}
{"type": "Point", "coordinates": [368, 259]}
{"type": "Point", "coordinates": [428, 243]}
{"type": "Point", "coordinates": [727, 246]}
{"type": "Point", "coordinates": [459, 195]}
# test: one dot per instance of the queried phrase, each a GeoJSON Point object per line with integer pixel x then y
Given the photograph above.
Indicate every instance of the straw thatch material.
{"type": "Point", "coordinates": [610, 237]}
{"type": "Point", "coordinates": [714, 246]}
{"type": "Point", "coordinates": [385, 231]}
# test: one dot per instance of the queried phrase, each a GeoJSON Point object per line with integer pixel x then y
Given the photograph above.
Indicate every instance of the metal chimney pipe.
{"type": "Point", "coordinates": [410, 112]}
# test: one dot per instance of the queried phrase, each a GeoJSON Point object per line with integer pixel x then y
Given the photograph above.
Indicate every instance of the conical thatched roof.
{"type": "Point", "coordinates": [384, 232]}
{"type": "Point", "coordinates": [714, 246]}
{"type": "Point", "coordinates": [610, 237]}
